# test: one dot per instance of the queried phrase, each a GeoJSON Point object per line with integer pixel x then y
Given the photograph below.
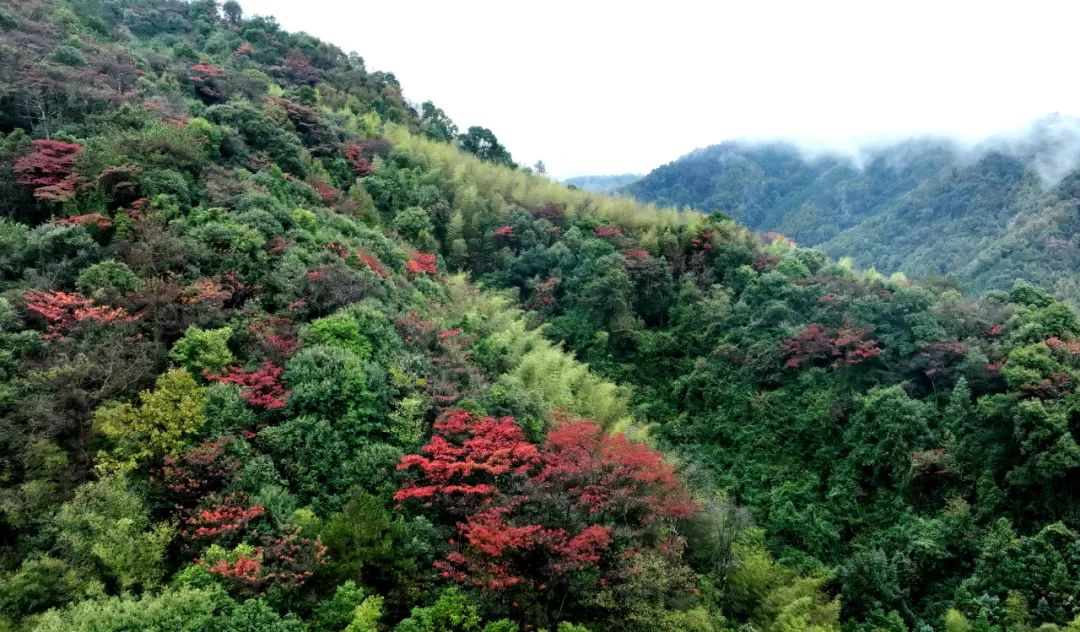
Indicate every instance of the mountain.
{"type": "Point", "coordinates": [985, 216]}
{"type": "Point", "coordinates": [602, 184]}
{"type": "Point", "coordinates": [280, 351]}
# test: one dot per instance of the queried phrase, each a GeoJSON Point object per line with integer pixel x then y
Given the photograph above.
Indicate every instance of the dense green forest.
{"type": "Point", "coordinates": [1006, 209]}
{"type": "Point", "coordinates": [280, 351]}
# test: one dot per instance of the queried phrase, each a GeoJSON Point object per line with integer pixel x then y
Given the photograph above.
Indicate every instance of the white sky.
{"type": "Point", "coordinates": [603, 87]}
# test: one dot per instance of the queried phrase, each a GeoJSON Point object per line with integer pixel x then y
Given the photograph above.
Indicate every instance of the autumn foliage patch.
{"type": "Point", "coordinates": [528, 516]}
{"type": "Point", "coordinates": [261, 387]}
{"type": "Point", "coordinates": [422, 263]}
{"type": "Point", "coordinates": [63, 311]}
{"type": "Point", "coordinates": [844, 346]}
{"type": "Point", "coordinates": [50, 170]}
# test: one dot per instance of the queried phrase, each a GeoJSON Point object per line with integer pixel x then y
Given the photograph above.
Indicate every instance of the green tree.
{"type": "Point", "coordinates": [107, 525]}
{"type": "Point", "coordinates": [165, 419]}
{"type": "Point", "coordinates": [203, 350]}
{"type": "Point", "coordinates": [482, 143]}
{"type": "Point", "coordinates": [435, 124]}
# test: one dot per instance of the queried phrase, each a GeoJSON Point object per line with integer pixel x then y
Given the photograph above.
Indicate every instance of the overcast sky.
{"type": "Point", "coordinates": [594, 87]}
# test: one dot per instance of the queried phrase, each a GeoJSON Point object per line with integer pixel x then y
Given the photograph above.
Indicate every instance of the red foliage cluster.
{"type": "Point", "coordinates": [996, 330]}
{"type": "Point", "coordinates": [96, 220]}
{"type": "Point", "coordinates": [207, 70]}
{"type": "Point", "coordinates": [245, 569]}
{"type": "Point", "coordinates": [50, 170]}
{"type": "Point", "coordinates": [276, 245]}
{"type": "Point", "coordinates": [292, 558]}
{"type": "Point", "coordinates": [276, 334]}
{"type": "Point", "coordinates": [1068, 347]}
{"type": "Point", "coordinates": [298, 69]}
{"type": "Point", "coordinates": [543, 294]}
{"type": "Point", "coordinates": [529, 516]}
{"type": "Point", "coordinates": [288, 561]}
{"type": "Point", "coordinates": [466, 454]}
{"type": "Point", "coordinates": [505, 231]}
{"type": "Point", "coordinates": [137, 209]}
{"type": "Point", "coordinates": [611, 476]}
{"type": "Point", "coordinates": [64, 310]}
{"type": "Point", "coordinates": [199, 470]}
{"type": "Point", "coordinates": [553, 212]}
{"type": "Point", "coordinates": [372, 262]}
{"type": "Point", "coordinates": [607, 231]}
{"type": "Point", "coordinates": [1055, 385]}
{"type": "Point", "coordinates": [325, 192]}
{"type": "Point", "coordinates": [704, 241]}
{"type": "Point", "coordinates": [231, 516]}
{"type": "Point", "coordinates": [636, 253]}
{"type": "Point", "coordinates": [208, 81]}
{"type": "Point", "coordinates": [354, 154]}
{"type": "Point", "coordinates": [239, 291]}
{"type": "Point", "coordinates": [245, 49]}
{"type": "Point", "coordinates": [422, 263]}
{"type": "Point", "coordinates": [491, 543]}
{"type": "Point", "coordinates": [204, 290]}
{"type": "Point", "coordinates": [337, 249]}
{"type": "Point", "coordinates": [449, 333]}
{"type": "Point", "coordinates": [814, 344]}
{"type": "Point", "coordinates": [261, 387]}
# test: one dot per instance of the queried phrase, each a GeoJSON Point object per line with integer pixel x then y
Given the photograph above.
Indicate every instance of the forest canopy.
{"type": "Point", "coordinates": [281, 351]}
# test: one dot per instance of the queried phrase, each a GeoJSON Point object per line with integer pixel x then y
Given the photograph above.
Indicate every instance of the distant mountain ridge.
{"type": "Point", "coordinates": [986, 215]}
{"type": "Point", "coordinates": [602, 184]}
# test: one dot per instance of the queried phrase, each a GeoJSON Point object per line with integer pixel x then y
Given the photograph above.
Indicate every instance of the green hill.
{"type": "Point", "coordinates": [986, 216]}
{"type": "Point", "coordinates": [602, 184]}
{"type": "Point", "coordinates": [280, 352]}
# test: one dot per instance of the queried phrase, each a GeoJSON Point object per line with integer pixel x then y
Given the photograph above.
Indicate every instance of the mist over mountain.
{"type": "Point", "coordinates": [984, 213]}
{"type": "Point", "coordinates": [602, 184]}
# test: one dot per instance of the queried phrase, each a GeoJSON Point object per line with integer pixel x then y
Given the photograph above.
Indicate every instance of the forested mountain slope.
{"type": "Point", "coordinates": [280, 352]}
{"type": "Point", "coordinates": [1004, 210]}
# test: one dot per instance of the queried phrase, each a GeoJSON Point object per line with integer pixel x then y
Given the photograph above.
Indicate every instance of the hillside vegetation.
{"type": "Point", "coordinates": [983, 217]}
{"type": "Point", "coordinates": [280, 351]}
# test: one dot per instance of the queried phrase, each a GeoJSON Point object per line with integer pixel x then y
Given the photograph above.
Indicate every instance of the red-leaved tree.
{"type": "Point", "coordinates": [282, 562]}
{"type": "Point", "coordinates": [209, 82]}
{"type": "Point", "coordinates": [222, 519]}
{"type": "Point", "coordinates": [261, 387]}
{"type": "Point", "coordinates": [354, 155]}
{"type": "Point", "coordinates": [63, 311]}
{"type": "Point", "coordinates": [50, 170]}
{"type": "Point", "coordinates": [541, 525]}
{"type": "Point", "coordinates": [97, 220]}
{"type": "Point", "coordinates": [198, 471]}
{"type": "Point", "coordinates": [422, 263]}
{"type": "Point", "coordinates": [816, 345]}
